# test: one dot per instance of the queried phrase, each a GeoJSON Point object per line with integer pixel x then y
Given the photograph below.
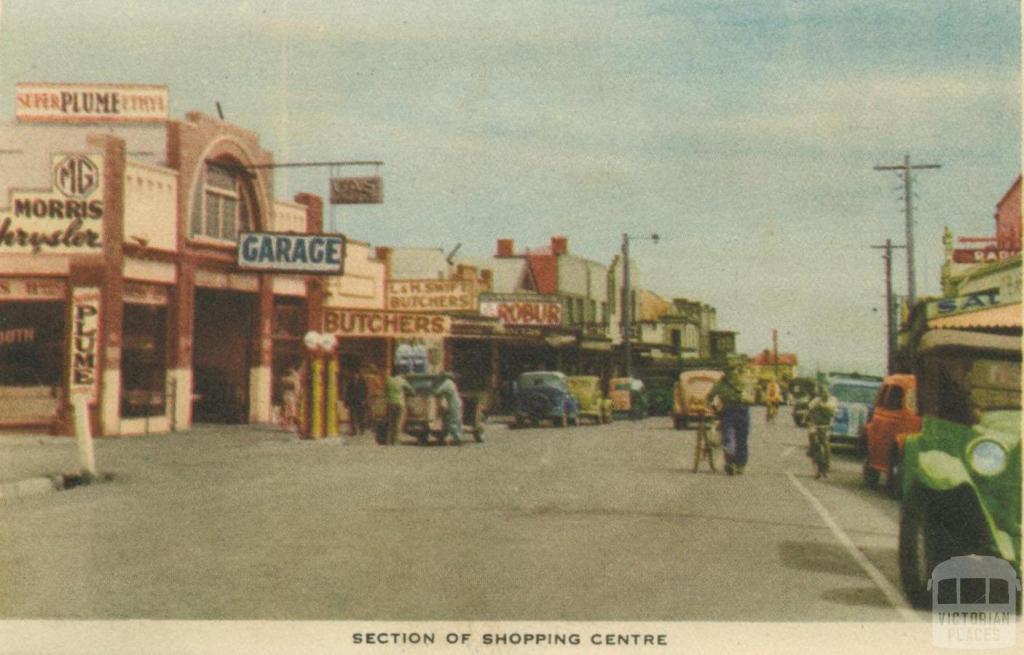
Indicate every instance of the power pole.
{"type": "Point", "coordinates": [890, 331]}
{"type": "Point", "coordinates": [908, 210]}
{"type": "Point", "coordinates": [627, 308]}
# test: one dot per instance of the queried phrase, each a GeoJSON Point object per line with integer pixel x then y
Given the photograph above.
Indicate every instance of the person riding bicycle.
{"type": "Point", "coordinates": [819, 415]}
{"type": "Point", "coordinates": [772, 398]}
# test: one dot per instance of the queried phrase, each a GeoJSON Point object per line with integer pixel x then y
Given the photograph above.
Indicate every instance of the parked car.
{"type": "Point", "coordinates": [544, 396]}
{"type": "Point", "coordinates": [593, 404]}
{"type": "Point", "coordinates": [962, 471]}
{"type": "Point", "coordinates": [801, 390]}
{"type": "Point", "coordinates": [425, 412]}
{"type": "Point", "coordinates": [690, 395]}
{"type": "Point", "coordinates": [855, 397]}
{"type": "Point", "coordinates": [628, 398]}
{"type": "Point", "coordinates": [895, 417]}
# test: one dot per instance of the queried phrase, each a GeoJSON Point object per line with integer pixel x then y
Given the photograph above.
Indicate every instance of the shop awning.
{"type": "Point", "coordinates": [1005, 316]}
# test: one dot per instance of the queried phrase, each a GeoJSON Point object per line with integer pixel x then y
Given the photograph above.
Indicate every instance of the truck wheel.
{"type": "Point", "coordinates": [923, 545]}
{"type": "Point", "coordinates": [870, 476]}
{"type": "Point", "coordinates": [894, 477]}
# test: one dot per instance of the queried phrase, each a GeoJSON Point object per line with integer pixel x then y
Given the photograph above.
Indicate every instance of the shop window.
{"type": "Point", "coordinates": [222, 205]}
{"type": "Point", "coordinates": [31, 359]}
{"type": "Point", "coordinates": [144, 361]}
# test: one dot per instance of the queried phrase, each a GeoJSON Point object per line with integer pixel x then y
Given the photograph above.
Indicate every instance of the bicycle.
{"type": "Point", "coordinates": [707, 444]}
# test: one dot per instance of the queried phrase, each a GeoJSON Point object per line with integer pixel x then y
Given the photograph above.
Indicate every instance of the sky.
{"type": "Point", "coordinates": [743, 132]}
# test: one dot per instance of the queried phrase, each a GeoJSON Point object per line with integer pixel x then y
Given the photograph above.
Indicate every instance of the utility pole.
{"type": "Point", "coordinates": [890, 331]}
{"type": "Point", "coordinates": [775, 352]}
{"type": "Point", "coordinates": [627, 318]}
{"type": "Point", "coordinates": [908, 211]}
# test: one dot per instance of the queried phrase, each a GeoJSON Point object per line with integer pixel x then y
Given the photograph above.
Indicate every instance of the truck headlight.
{"type": "Point", "coordinates": [987, 458]}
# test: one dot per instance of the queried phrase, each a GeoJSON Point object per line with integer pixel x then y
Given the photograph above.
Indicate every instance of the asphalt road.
{"type": "Point", "coordinates": [585, 523]}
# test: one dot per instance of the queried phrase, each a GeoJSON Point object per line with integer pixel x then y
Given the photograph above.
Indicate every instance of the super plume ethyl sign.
{"type": "Point", "coordinates": [291, 253]}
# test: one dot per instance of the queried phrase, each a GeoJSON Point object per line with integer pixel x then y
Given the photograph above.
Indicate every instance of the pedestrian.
{"type": "Point", "coordinates": [396, 388]}
{"type": "Point", "coordinates": [448, 390]}
{"type": "Point", "coordinates": [355, 400]}
{"type": "Point", "coordinates": [819, 447]}
{"type": "Point", "coordinates": [726, 397]}
{"type": "Point", "coordinates": [291, 397]}
{"type": "Point", "coordinates": [772, 398]}
{"type": "Point", "coordinates": [375, 410]}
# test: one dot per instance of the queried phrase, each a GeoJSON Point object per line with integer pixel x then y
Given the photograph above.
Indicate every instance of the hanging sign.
{"type": "Point", "coordinates": [90, 103]}
{"type": "Point", "coordinates": [522, 309]}
{"type": "Point", "coordinates": [357, 190]}
{"type": "Point", "coordinates": [291, 253]}
{"type": "Point", "coordinates": [67, 219]}
{"type": "Point", "coordinates": [85, 342]}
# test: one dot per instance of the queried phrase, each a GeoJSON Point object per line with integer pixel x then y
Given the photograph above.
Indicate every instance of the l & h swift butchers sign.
{"type": "Point", "coordinates": [90, 103]}
{"type": "Point", "coordinates": [431, 295]}
{"type": "Point", "coordinates": [67, 219]}
{"type": "Point", "coordinates": [522, 309]}
{"type": "Point", "coordinates": [372, 323]}
{"type": "Point", "coordinates": [85, 345]}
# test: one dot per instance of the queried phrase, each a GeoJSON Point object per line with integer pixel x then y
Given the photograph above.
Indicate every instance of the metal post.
{"type": "Point", "coordinates": [83, 431]}
{"type": "Point", "coordinates": [627, 309]}
{"type": "Point", "coordinates": [332, 395]}
{"type": "Point", "coordinates": [890, 324]}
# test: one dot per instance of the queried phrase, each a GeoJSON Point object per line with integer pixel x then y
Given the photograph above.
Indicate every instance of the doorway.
{"type": "Point", "coordinates": [223, 333]}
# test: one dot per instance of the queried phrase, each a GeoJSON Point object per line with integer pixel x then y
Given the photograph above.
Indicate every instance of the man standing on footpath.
{"type": "Point", "coordinates": [448, 390]}
{"type": "Point", "coordinates": [395, 389]}
{"type": "Point", "coordinates": [734, 419]}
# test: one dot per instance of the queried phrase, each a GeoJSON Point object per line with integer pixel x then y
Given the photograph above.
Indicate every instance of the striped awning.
{"type": "Point", "coordinates": [1005, 316]}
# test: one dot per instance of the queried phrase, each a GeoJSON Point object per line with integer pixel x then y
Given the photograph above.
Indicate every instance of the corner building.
{"type": "Point", "coordinates": [118, 275]}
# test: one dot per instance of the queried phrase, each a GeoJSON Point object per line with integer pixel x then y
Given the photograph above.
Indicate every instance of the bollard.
{"type": "Point", "coordinates": [83, 432]}
{"type": "Point", "coordinates": [316, 419]}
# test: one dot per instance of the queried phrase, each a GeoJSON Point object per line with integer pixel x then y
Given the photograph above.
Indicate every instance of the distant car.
{"type": "Point", "coordinates": [544, 396]}
{"type": "Point", "coordinates": [586, 389]}
{"type": "Point", "coordinates": [895, 417]}
{"type": "Point", "coordinates": [690, 395]}
{"type": "Point", "coordinates": [855, 397]}
{"type": "Point", "coordinates": [659, 395]}
{"type": "Point", "coordinates": [962, 471]}
{"type": "Point", "coordinates": [628, 398]}
{"type": "Point", "coordinates": [425, 413]}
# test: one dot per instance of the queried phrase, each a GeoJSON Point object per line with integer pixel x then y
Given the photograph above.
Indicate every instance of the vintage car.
{"type": "Point", "coordinates": [800, 392]}
{"type": "Point", "coordinates": [962, 471]}
{"type": "Point", "coordinates": [628, 398]}
{"type": "Point", "coordinates": [690, 395]}
{"type": "Point", "coordinates": [586, 389]}
{"type": "Point", "coordinates": [543, 396]}
{"type": "Point", "coordinates": [855, 397]}
{"type": "Point", "coordinates": [425, 412]}
{"type": "Point", "coordinates": [895, 417]}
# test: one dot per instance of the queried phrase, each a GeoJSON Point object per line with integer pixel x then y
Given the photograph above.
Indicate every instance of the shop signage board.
{"type": "Point", "coordinates": [90, 103]}
{"type": "Point", "coordinates": [32, 289]}
{"type": "Point", "coordinates": [85, 347]}
{"type": "Point", "coordinates": [66, 219]}
{"type": "Point", "coordinates": [281, 252]}
{"type": "Point", "coordinates": [431, 295]}
{"type": "Point", "coordinates": [963, 304]}
{"type": "Point", "coordinates": [373, 323]}
{"type": "Point", "coordinates": [357, 190]}
{"type": "Point", "coordinates": [982, 255]}
{"type": "Point", "coordinates": [522, 309]}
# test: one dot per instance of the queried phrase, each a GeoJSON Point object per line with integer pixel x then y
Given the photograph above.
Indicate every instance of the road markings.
{"type": "Point", "coordinates": [894, 597]}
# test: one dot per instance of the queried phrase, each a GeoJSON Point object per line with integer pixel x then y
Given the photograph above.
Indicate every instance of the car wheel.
{"type": "Point", "coordinates": [870, 476]}
{"type": "Point", "coordinates": [923, 545]}
{"type": "Point", "coordinates": [894, 477]}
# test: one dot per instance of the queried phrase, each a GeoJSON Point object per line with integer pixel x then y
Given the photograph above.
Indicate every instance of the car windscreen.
{"type": "Point", "coordinates": [698, 387]}
{"type": "Point", "coordinates": [528, 380]}
{"type": "Point", "coordinates": [959, 387]}
{"type": "Point", "coordinates": [854, 393]}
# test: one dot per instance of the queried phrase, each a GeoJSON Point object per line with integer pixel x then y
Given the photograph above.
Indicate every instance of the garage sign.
{"type": "Point", "coordinates": [291, 253]}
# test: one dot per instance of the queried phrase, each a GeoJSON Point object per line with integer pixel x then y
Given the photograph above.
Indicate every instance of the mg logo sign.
{"type": "Point", "coordinates": [76, 176]}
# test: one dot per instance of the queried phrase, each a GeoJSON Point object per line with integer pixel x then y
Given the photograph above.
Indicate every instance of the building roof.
{"type": "Point", "coordinates": [418, 264]}
{"type": "Point", "coordinates": [508, 274]}
{"type": "Point", "coordinates": [765, 358]}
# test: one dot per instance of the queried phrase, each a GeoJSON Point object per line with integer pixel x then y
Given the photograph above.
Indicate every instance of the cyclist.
{"type": "Point", "coordinates": [772, 398]}
{"type": "Point", "coordinates": [819, 416]}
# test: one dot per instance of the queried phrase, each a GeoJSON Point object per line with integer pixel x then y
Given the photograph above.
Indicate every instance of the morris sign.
{"type": "Point", "coordinates": [522, 309]}
{"type": "Point", "coordinates": [291, 253]}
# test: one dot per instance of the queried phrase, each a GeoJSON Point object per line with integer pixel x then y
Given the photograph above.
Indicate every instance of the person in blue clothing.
{"type": "Point", "coordinates": [449, 391]}
{"type": "Point", "coordinates": [734, 419]}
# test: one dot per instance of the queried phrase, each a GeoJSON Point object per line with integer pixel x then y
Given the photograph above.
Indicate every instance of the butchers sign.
{"type": "Point", "coordinates": [85, 346]}
{"type": "Point", "coordinates": [372, 323]}
{"type": "Point", "coordinates": [67, 219]}
{"type": "Point", "coordinates": [431, 295]}
{"type": "Point", "coordinates": [522, 309]}
{"type": "Point", "coordinates": [90, 103]}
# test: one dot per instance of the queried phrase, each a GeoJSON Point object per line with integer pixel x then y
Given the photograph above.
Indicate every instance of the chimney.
{"type": "Point", "coordinates": [486, 278]}
{"type": "Point", "coordinates": [559, 245]}
{"type": "Point", "coordinates": [506, 248]}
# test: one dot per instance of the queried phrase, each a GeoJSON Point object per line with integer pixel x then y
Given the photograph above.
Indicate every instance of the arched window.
{"type": "Point", "coordinates": [222, 205]}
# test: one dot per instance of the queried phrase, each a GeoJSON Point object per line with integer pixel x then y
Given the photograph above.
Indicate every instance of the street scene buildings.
{"type": "Point", "coordinates": [681, 394]}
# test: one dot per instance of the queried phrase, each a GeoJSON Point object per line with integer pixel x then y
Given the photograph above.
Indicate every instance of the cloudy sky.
{"type": "Point", "coordinates": [743, 132]}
